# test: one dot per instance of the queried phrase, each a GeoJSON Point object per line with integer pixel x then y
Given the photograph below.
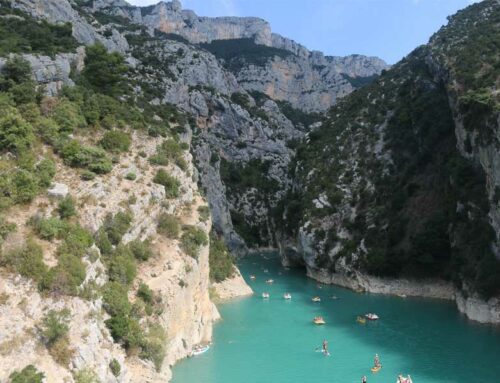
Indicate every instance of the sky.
{"type": "Point", "coordinates": [389, 29]}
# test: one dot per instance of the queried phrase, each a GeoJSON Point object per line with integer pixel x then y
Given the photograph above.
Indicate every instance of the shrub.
{"type": "Point", "coordinates": [66, 277]}
{"type": "Point", "coordinates": [116, 226]}
{"type": "Point", "coordinates": [192, 239]}
{"type": "Point", "coordinates": [48, 228]}
{"type": "Point", "coordinates": [66, 208]}
{"type": "Point", "coordinates": [87, 175]}
{"type": "Point", "coordinates": [115, 367]}
{"type": "Point", "coordinates": [27, 261]}
{"type": "Point", "coordinates": [204, 213]}
{"type": "Point", "coordinates": [153, 345]}
{"type": "Point", "coordinates": [15, 133]}
{"type": "Point", "coordinates": [115, 299]}
{"type": "Point", "coordinates": [103, 243]}
{"type": "Point", "coordinates": [140, 250]}
{"type": "Point", "coordinates": [76, 241]}
{"type": "Point", "coordinates": [220, 260]}
{"type": "Point", "coordinates": [171, 184]}
{"type": "Point", "coordinates": [169, 151]}
{"type": "Point", "coordinates": [28, 374]}
{"type": "Point", "coordinates": [46, 170]}
{"type": "Point", "coordinates": [116, 141]}
{"type": "Point", "coordinates": [68, 116]}
{"type": "Point", "coordinates": [94, 159]}
{"type": "Point", "coordinates": [61, 352]}
{"type": "Point", "coordinates": [122, 266]}
{"type": "Point", "coordinates": [145, 293]}
{"type": "Point", "coordinates": [168, 225]}
{"type": "Point", "coordinates": [25, 186]}
{"type": "Point", "coordinates": [55, 326]}
{"type": "Point", "coordinates": [86, 375]}
{"type": "Point", "coordinates": [131, 176]}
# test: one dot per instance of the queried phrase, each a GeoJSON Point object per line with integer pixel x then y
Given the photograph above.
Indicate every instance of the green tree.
{"type": "Point", "coordinates": [55, 325]}
{"type": "Point", "coordinates": [105, 72]}
{"type": "Point", "coordinates": [15, 133]}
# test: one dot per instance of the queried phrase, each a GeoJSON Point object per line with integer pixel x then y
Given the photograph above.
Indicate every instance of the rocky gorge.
{"type": "Point", "coordinates": [242, 135]}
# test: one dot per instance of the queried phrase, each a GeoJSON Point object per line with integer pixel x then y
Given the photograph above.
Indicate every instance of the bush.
{"type": "Point", "coordinates": [116, 141]}
{"type": "Point", "coordinates": [103, 243]}
{"type": "Point", "coordinates": [145, 293]}
{"type": "Point", "coordinates": [48, 228]}
{"type": "Point", "coordinates": [122, 266]}
{"type": "Point", "coordinates": [46, 170]}
{"type": "Point", "coordinates": [27, 261]}
{"type": "Point", "coordinates": [116, 226]}
{"type": "Point", "coordinates": [115, 367]}
{"type": "Point", "coordinates": [94, 159]}
{"type": "Point", "coordinates": [24, 185]}
{"type": "Point", "coordinates": [68, 116]}
{"type": "Point", "coordinates": [131, 176]}
{"type": "Point", "coordinates": [28, 374]}
{"type": "Point", "coordinates": [168, 225]}
{"type": "Point", "coordinates": [87, 175]}
{"type": "Point", "coordinates": [66, 277]}
{"type": "Point", "coordinates": [169, 151]}
{"type": "Point", "coordinates": [171, 184]}
{"type": "Point", "coordinates": [220, 260]}
{"type": "Point", "coordinates": [61, 351]}
{"type": "Point", "coordinates": [153, 345]}
{"type": "Point", "coordinates": [76, 241]}
{"type": "Point", "coordinates": [140, 250]}
{"type": "Point", "coordinates": [192, 239]}
{"type": "Point", "coordinates": [115, 299]}
{"type": "Point", "coordinates": [15, 133]}
{"type": "Point", "coordinates": [86, 375]}
{"type": "Point", "coordinates": [55, 326]}
{"type": "Point", "coordinates": [66, 208]}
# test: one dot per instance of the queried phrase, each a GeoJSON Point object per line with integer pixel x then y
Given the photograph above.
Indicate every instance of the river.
{"type": "Point", "coordinates": [275, 340]}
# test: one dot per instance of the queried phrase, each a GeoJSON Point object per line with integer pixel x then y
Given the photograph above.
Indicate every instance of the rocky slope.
{"type": "Point", "coordinates": [400, 180]}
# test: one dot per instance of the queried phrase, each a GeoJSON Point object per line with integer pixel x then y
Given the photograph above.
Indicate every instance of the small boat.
{"type": "Point", "coordinates": [376, 368]}
{"type": "Point", "coordinates": [402, 379]}
{"type": "Point", "coordinates": [334, 297]}
{"type": "Point", "coordinates": [198, 350]}
{"type": "Point", "coordinates": [252, 277]}
{"type": "Point", "coordinates": [269, 281]}
{"type": "Point", "coordinates": [371, 316]}
{"type": "Point", "coordinates": [266, 270]}
{"type": "Point", "coordinates": [316, 299]}
{"type": "Point", "coordinates": [287, 296]}
{"type": "Point", "coordinates": [319, 320]}
{"type": "Point", "coordinates": [361, 320]}
{"type": "Point", "coordinates": [265, 295]}
{"type": "Point", "coordinates": [402, 295]}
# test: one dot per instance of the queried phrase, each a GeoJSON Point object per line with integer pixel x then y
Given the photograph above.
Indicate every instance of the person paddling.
{"type": "Point", "coordinates": [363, 379]}
{"type": "Point", "coordinates": [325, 347]}
{"type": "Point", "coordinates": [376, 361]}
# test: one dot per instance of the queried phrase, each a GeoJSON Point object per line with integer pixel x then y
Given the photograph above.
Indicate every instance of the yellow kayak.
{"type": "Point", "coordinates": [361, 320]}
{"type": "Point", "coordinates": [376, 369]}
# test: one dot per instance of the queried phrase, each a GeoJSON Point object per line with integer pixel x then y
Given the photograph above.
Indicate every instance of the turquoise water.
{"type": "Point", "coordinates": [274, 341]}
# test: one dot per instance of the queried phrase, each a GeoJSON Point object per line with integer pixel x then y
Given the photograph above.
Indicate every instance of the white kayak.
{"type": "Point", "coordinates": [200, 350]}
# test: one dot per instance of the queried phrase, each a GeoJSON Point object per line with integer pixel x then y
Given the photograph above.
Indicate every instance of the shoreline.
{"type": "Point", "coordinates": [473, 307]}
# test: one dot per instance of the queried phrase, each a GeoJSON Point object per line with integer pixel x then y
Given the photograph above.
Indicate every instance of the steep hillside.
{"type": "Point", "coordinates": [401, 179]}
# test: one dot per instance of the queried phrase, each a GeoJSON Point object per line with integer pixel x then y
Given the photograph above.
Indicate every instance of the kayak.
{"type": "Point", "coordinates": [319, 320]}
{"type": "Point", "coordinates": [360, 320]}
{"type": "Point", "coordinates": [376, 369]}
{"type": "Point", "coordinates": [371, 316]}
{"type": "Point", "coordinates": [200, 350]}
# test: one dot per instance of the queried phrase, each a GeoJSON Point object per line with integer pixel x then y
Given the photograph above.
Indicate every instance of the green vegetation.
{"type": "Point", "coordinates": [66, 208]}
{"type": "Point", "coordinates": [86, 375]}
{"type": "Point", "coordinates": [94, 159]}
{"type": "Point", "coordinates": [297, 116]}
{"type": "Point", "coordinates": [104, 72]}
{"type": "Point", "coordinates": [115, 367]}
{"type": "Point", "coordinates": [359, 81]}
{"type": "Point", "coordinates": [192, 240]}
{"type": "Point", "coordinates": [238, 53]}
{"type": "Point", "coordinates": [220, 259]}
{"type": "Point", "coordinates": [116, 141]}
{"type": "Point", "coordinates": [170, 151]}
{"type": "Point", "coordinates": [21, 33]}
{"type": "Point", "coordinates": [26, 261]}
{"type": "Point", "coordinates": [169, 226]}
{"type": "Point", "coordinates": [171, 184]}
{"type": "Point", "coordinates": [28, 374]}
{"type": "Point", "coordinates": [54, 331]}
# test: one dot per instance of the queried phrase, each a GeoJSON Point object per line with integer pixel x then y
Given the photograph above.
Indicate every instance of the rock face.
{"type": "Point", "coordinates": [234, 287]}
{"type": "Point", "coordinates": [308, 80]}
